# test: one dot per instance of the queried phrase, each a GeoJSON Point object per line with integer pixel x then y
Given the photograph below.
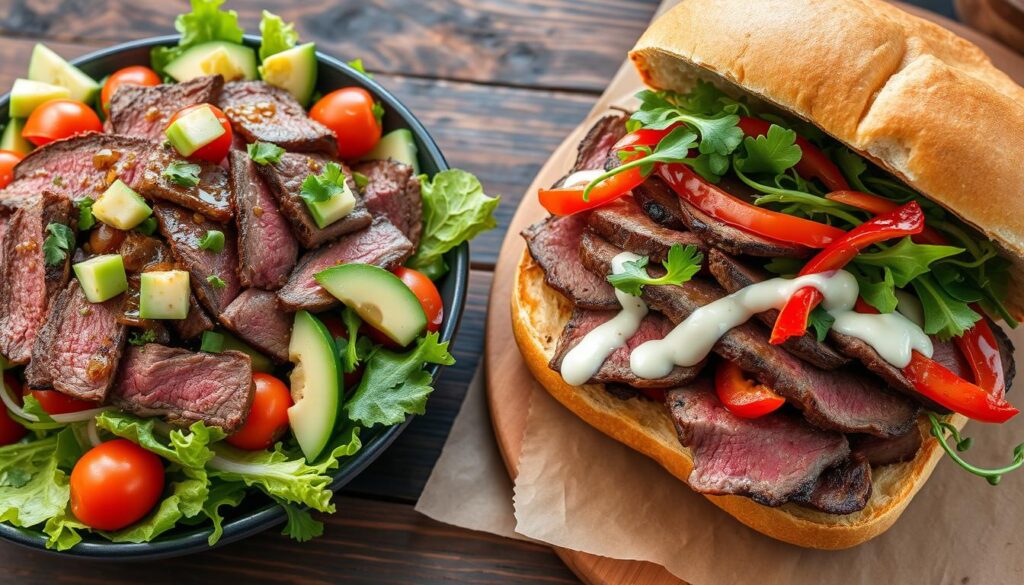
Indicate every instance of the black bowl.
{"type": "Point", "coordinates": [257, 513]}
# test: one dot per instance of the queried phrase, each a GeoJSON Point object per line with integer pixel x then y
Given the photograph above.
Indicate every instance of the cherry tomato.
{"type": "Point", "coordinates": [134, 75]}
{"type": "Point", "coordinates": [54, 402]}
{"type": "Point", "coordinates": [215, 151]}
{"type": "Point", "coordinates": [268, 417]}
{"type": "Point", "coordinates": [115, 484]}
{"type": "Point", "coordinates": [57, 119]}
{"type": "Point", "coordinates": [10, 431]}
{"type": "Point", "coordinates": [351, 114]}
{"type": "Point", "coordinates": [426, 292]}
{"type": "Point", "coordinates": [8, 160]}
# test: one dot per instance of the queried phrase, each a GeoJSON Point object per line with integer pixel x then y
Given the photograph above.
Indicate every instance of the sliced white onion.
{"type": "Point", "coordinates": [64, 419]}
{"type": "Point", "coordinates": [93, 433]}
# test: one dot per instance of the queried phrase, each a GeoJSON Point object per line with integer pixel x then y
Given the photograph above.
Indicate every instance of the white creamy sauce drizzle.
{"type": "Point", "coordinates": [581, 178]}
{"type": "Point", "coordinates": [584, 360]}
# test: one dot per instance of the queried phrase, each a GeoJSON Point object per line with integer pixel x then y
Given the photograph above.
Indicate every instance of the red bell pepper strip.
{"type": "Point", "coordinates": [878, 206]}
{"type": "Point", "coordinates": [936, 382]}
{"type": "Point", "coordinates": [978, 344]}
{"type": "Point", "coordinates": [905, 220]}
{"type": "Point", "coordinates": [814, 164]}
{"type": "Point", "coordinates": [771, 224]}
{"type": "Point", "coordinates": [742, 396]}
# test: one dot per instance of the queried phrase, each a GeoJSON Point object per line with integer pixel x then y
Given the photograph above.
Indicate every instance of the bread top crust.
{"type": "Point", "coordinates": [919, 101]}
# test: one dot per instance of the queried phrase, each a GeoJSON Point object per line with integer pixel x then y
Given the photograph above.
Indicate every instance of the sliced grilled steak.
{"type": "Point", "coordinates": [194, 324]}
{"type": "Point", "coordinates": [183, 230]}
{"type": "Point", "coordinates": [211, 197]}
{"type": "Point", "coordinates": [597, 145]}
{"type": "Point", "coordinates": [266, 248]}
{"type": "Point", "coordinates": [660, 204]}
{"type": "Point", "coordinates": [733, 276]}
{"type": "Point", "coordinates": [554, 245]}
{"type": "Point", "coordinates": [625, 225]}
{"type": "Point", "coordinates": [264, 113]}
{"type": "Point", "coordinates": [878, 451]}
{"type": "Point", "coordinates": [616, 368]}
{"type": "Point", "coordinates": [285, 179]}
{"type": "Point", "coordinates": [258, 319]}
{"type": "Point", "coordinates": [734, 240]}
{"type": "Point", "coordinates": [77, 350]}
{"type": "Point", "coordinates": [839, 400]}
{"type": "Point", "coordinates": [393, 192]}
{"type": "Point", "coordinates": [27, 284]}
{"type": "Point", "coordinates": [136, 110]}
{"type": "Point", "coordinates": [380, 244]}
{"type": "Point", "coordinates": [843, 489]}
{"type": "Point", "coordinates": [84, 165]}
{"type": "Point", "coordinates": [770, 459]}
{"type": "Point", "coordinates": [185, 387]}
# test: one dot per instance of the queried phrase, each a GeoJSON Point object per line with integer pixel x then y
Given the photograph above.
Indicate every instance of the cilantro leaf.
{"type": "Point", "coordinates": [907, 260]}
{"type": "Point", "coordinates": [182, 173]}
{"type": "Point", "coordinates": [57, 245]}
{"type": "Point", "coordinates": [85, 217]}
{"type": "Point", "coordinates": [212, 240]}
{"type": "Point", "coordinates": [277, 36]}
{"type": "Point", "coordinates": [719, 132]}
{"type": "Point", "coordinates": [264, 153]}
{"type": "Point", "coordinates": [395, 385]}
{"type": "Point", "coordinates": [205, 23]}
{"type": "Point", "coordinates": [673, 148]}
{"type": "Point", "coordinates": [821, 321]}
{"type": "Point", "coordinates": [142, 337]}
{"type": "Point", "coordinates": [944, 315]}
{"type": "Point", "coordinates": [216, 281]}
{"type": "Point", "coordinates": [773, 153]}
{"type": "Point", "coordinates": [320, 188]}
{"type": "Point", "coordinates": [680, 266]}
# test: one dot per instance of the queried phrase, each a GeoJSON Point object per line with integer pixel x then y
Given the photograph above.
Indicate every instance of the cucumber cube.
{"type": "Point", "coordinates": [331, 210]}
{"type": "Point", "coordinates": [121, 207]}
{"type": "Point", "coordinates": [194, 131]}
{"type": "Point", "coordinates": [49, 67]}
{"type": "Point", "coordinates": [12, 139]}
{"type": "Point", "coordinates": [28, 95]}
{"type": "Point", "coordinates": [102, 277]}
{"type": "Point", "coordinates": [164, 295]}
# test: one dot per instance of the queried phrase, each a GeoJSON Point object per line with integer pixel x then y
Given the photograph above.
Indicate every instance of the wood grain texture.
{"type": "Point", "coordinates": [567, 44]}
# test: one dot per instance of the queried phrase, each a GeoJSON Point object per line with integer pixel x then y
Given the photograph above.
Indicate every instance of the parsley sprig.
{"type": "Point", "coordinates": [320, 188]}
{"type": "Point", "coordinates": [57, 245]}
{"type": "Point", "coordinates": [182, 173]}
{"type": "Point", "coordinates": [940, 429]}
{"type": "Point", "coordinates": [681, 264]}
{"type": "Point", "coordinates": [264, 153]}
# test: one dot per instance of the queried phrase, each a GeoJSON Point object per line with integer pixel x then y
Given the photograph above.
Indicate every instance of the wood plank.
{"type": "Point", "coordinates": [569, 44]}
{"type": "Point", "coordinates": [365, 542]}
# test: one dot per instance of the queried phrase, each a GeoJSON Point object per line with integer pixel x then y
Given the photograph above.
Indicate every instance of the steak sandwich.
{"type": "Point", "coordinates": [784, 275]}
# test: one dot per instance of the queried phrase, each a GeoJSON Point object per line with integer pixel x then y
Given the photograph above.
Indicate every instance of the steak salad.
{"type": "Point", "coordinates": [213, 291]}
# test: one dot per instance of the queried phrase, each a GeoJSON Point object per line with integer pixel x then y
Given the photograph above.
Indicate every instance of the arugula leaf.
{"type": "Point", "coordinates": [455, 210]}
{"type": "Point", "coordinates": [320, 188]}
{"type": "Point", "coordinates": [395, 384]}
{"type": "Point", "coordinates": [264, 153]}
{"type": "Point", "coordinates": [944, 315]}
{"type": "Point", "coordinates": [774, 152]}
{"type": "Point", "coordinates": [212, 240]}
{"type": "Point", "coordinates": [821, 320]}
{"type": "Point", "coordinates": [788, 267]}
{"type": "Point", "coordinates": [680, 265]}
{"type": "Point", "coordinates": [277, 36]}
{"type": "Point", "coordinates": [853, 166]}
{"type": "Point", "coordinates": [205, 23]}
{"type": "Point", "coordinates": [139, 338]}
{"type": "Point", "coordinates": [673, 148]}
{"type": "Point", "coordinates": [907, 260]}
{"type": "Point", "coordinates": [147, 227]}
{"type": "Point", "coordinates": [182, 173]}
{"type": "Point", "coordinates": [301, 526]}
{"type": "Point", "coordinates": [57, 245]}
{"type": "Point", "coordinates": [877, 287]}
{"type": "Point", "coordinates": [357, 64]}
{"type": "Point", "coordinates": [216, 281]}
{"type": "Point", "coordinates": [85, 217]}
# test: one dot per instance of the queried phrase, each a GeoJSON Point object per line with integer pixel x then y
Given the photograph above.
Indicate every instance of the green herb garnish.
{"type": "Point", "coordinates": [680, 266]}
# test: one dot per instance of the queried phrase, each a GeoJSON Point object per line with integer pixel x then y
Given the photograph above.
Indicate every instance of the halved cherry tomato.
{"type": "Point", "coordinates": [134, 75]}
{"type": "Point", "coordinates": [353, 116]}
{"type": "Point", "coordinates": [426, 292]}
{"type": "Point", "coordinates": [742, 396]}
{"type": "Point", "coordinates": [115, 484]}
{"type": "Point", "coordinates": [814, 164]}
{"type": "Point", "coordinates": [878, 206]}
{"type": "Point", "coordinates": [217, 150]}
{"type": "Point", "coordinates": [268, 417]}
{"type": "Point", "coordinates": [10, 431]}
{"type": "Point", "coordinates": [54, 402]}
{"type": "Point", "coordinates": [58, 119]}
{"type": "Point", "coordinates": [8, 160]}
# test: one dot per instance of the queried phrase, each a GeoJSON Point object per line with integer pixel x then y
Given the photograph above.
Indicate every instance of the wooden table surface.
{"type": "Point", "coordinates": [499, 83]}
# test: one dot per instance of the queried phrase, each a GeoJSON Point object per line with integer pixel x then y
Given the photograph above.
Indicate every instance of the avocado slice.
{"type": "Point", "coordinates": [13, 140]}
{"type": "Point", "coordinates": [218, 341]}
{"type": "Point", "coordinates": [315, 383]}
{"type": "Point", "coordinates": [164, 295]}
{"type": "Point", "coordinates": [27, 95]}
{"type": "Point", "coordinates": [49, 67]}
{"type": "Point", "coordinates": [294, 70]}
{"type": "Point", "coordinates": [102, 277]}
{"type": "Point", "coordinates": [379, 297]}
{"type": "Point", "coordinates": [398, 145]}
{"type": "Point", "coordinates": [121, 207]}
{"type": "Point", "coordinates": [231, 60]}
{"type": "Point", "coordinates": [194, 130]}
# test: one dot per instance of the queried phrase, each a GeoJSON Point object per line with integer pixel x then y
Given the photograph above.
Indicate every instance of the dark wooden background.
{"type": "Point", "coordinates": [499, 83]}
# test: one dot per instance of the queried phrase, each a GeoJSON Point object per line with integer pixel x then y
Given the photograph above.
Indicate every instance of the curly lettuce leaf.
{"type": "Point", "coordinates": [301, 526]}
{"type": "Point", "coordinates": [278, 35]}
{"type": "Point", "coordinates": [207, 22]}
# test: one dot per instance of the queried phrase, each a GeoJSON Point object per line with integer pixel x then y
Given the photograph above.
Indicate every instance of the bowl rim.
{"type": "Point", "coordinates": [454, 293]}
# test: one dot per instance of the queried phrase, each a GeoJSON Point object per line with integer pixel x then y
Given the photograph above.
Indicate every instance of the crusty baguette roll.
{"type": "Point", "coordinates": [913, 97]}
{"type": "Point", "coordinates": [539, 314]}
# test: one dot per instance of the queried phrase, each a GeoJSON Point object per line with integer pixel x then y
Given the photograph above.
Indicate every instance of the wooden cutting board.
{"type": "Point", "coordinates": [509, 380]}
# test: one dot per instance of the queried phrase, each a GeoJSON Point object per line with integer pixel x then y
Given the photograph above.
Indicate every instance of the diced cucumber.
{"type": "Point", "coordinates": [194, 130]}
{"type": "Point", "coordinates": [212, 342]}
{"type": "Point", "coordinates": [230, 60]}
{"type": "Point", "coordinates": [315, 383]}
{"type": "Point", "coordinates": [27, 95]}
{"type": "Point", "coordinates": [12, 139]}
{"type": "Point", "coordinates": [218, 341]}
{"type": "Point", "coordinates": [334, 208]}
{"type": "Point", "coordinates": [293, 70]}
{"type": "Point", "coordinates": [49, 67]}
{"type": "Point", "coordinates": [164, 295]}
{"type": "Point", "coordinates": [102, 277]}
{"type": "Point", "coordinates": [398, 145]}
{"type": "Point", "coordinates": [121, 207]}
{"type": "Point", "coordinates": [379, 297]}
